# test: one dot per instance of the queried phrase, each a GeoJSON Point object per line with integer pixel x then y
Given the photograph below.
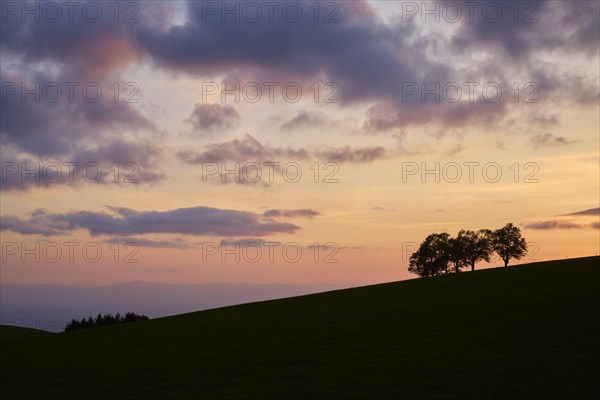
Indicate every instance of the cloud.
{"type": "Point", "coordinates": [576, 220]}
{"type": "Point", "coordinates": [60, 120]}
{"type": "Point", "coordinates": [241, 150]}
{"type": "Point", "coordinates": [250, 149]}
{"type": "Point", "coordinates": [202, 221]}
{"type": "Point", "coordinates": [383, 209]}
{"type": "Point", "coordinates": [385, 116]}
{"type": "Point", "coordinates": [302, 49]}
{"type": "Point", "coordinates": [331, 247]}
{"type": "Point", "coordinates": [352, 155]}
{"type": "Point", "coordinates": [38, 133]}
{"type": "Point", "coordinates": [114, 162]}
{"type": "Point", "coordinates": [151, 243]}
{"type": "Point", "coordinates": [210, 118]}
{"type": "Point", "coordinates": [553, 224]}
{"type": "Point", "coordinates": [246, 242]}
{"type": "Point", "coordinates": [304, 119]}
{"type": "Point", "coordinates": [247, 156]}
{"type": "Point", "coordinates": [535, 31]}
{"type": "Point", "coordinates": [455, 150]}
{"type": "Point", "coordinates": [45, 128]}
{"type": "Point", "coordinates": [81, 47]}
{"type": "Point", "coordinates": [37, 225]}
{"type": "Point", "coordinates": [549, 139]}
{"type": "Point", "coordinates": [302, 213]}
{"type": "Point", "coordinates": [368, 58]}
{"type": "Point", "coordinates": [595, 212]}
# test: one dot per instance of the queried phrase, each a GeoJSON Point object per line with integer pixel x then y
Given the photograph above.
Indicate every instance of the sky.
{"type": "Point", "coordinates": [290, 142]}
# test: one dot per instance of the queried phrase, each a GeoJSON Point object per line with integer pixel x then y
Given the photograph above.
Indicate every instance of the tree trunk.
{"type": "Point", "coordinates": [506, 262]}
{"type": "Point", "coordinates": [472, 266]}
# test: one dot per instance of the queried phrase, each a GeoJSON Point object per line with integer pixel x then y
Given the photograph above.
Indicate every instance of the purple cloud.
{"type": "Point", "coordinates": [594, 212]}
{"type": "Point", "coordinates": [302, 213]}
{"type": "Point", "coordinates": [202, 221]}
{"type": "Point", "coordinates": [576, 220]}
{"type": "Point", "coordinates": [210, 118]}
{"type": "Point", "coordinates": [249, 149]}
{"type": "Point", "coordinates": [548, 139]}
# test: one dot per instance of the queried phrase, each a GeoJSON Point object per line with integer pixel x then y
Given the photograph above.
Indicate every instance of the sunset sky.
{"type": "Point", "coordinates": [343, 92]}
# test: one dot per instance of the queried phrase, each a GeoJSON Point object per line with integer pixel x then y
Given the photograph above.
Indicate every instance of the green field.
{"type": "Point", "coordinates": [528, 332]}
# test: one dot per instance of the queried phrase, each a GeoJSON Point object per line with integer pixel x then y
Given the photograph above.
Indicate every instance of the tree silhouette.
{"type": "Point", "coordinates": [476, 246]}
{"type": "Point", "coordinates": [432, 257]}
{"type": "Point", "coordinates": [438, 250]}
{"type": "Point", "coordinates": [456, 253]}
{"type": "Point", "coordinates": [103, 320]}
{"type": "Point", "coordinates": [508, 243]}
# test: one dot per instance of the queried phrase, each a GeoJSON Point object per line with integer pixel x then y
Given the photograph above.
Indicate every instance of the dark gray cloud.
{"type": "Point", "coordinates": [302, 213]}
{"type": "Point", "coordinates": [211, 118]}
{"type": "Point", "coordinates": [77, 43]}
{"type": "Point", "coordinates": [125, 222]}
{"type": "Point", "coordinates": [534, 29]}
{"type": "Point", "coordinates": [548, 139]}
{"type": "Point", "coordinates": [83, 48]}
{"type": "Point", "coordinates": [300, 49]}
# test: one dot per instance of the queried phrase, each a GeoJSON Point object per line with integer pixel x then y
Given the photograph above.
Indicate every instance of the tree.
{"type": "Point", "coordinates": [74, 324]}
{"type": "Point", "coordinates": [432, 257]}
{"type": "Point", "coordinates": [103, 320]}
{"type": "Point", "coordinates": [456, 253]}
{"type": "Point", "coordinates": [476, 246]}
{"type": "Point", "coordinates": [508, 243]}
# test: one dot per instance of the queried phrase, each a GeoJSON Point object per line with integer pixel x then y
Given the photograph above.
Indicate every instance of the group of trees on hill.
{"type": "Point", "coordinates": [442, 254]}
{"type": "Point", "coordinates": [103, 320]}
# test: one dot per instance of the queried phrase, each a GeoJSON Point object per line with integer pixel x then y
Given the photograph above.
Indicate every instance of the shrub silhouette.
{"type": "Point", "coordinates": [103, 320]}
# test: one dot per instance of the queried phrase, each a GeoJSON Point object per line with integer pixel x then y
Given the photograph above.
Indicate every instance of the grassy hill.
{"type": "Point", "coordinates": [527, 332]}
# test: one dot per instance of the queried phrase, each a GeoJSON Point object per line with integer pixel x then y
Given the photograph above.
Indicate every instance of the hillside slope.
{"type": "Point", "coordinates": [525, 332]}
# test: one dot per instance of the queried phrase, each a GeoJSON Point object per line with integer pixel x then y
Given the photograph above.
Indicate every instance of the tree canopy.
{"type": "Point", "coordinates": [103, 320]}
{"type": "Point", "coordinates": [440, 253]}
{"type": "Point", "coordinates": [432, 256]}
{"type": "Point", "coordinates": [508, 243]}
